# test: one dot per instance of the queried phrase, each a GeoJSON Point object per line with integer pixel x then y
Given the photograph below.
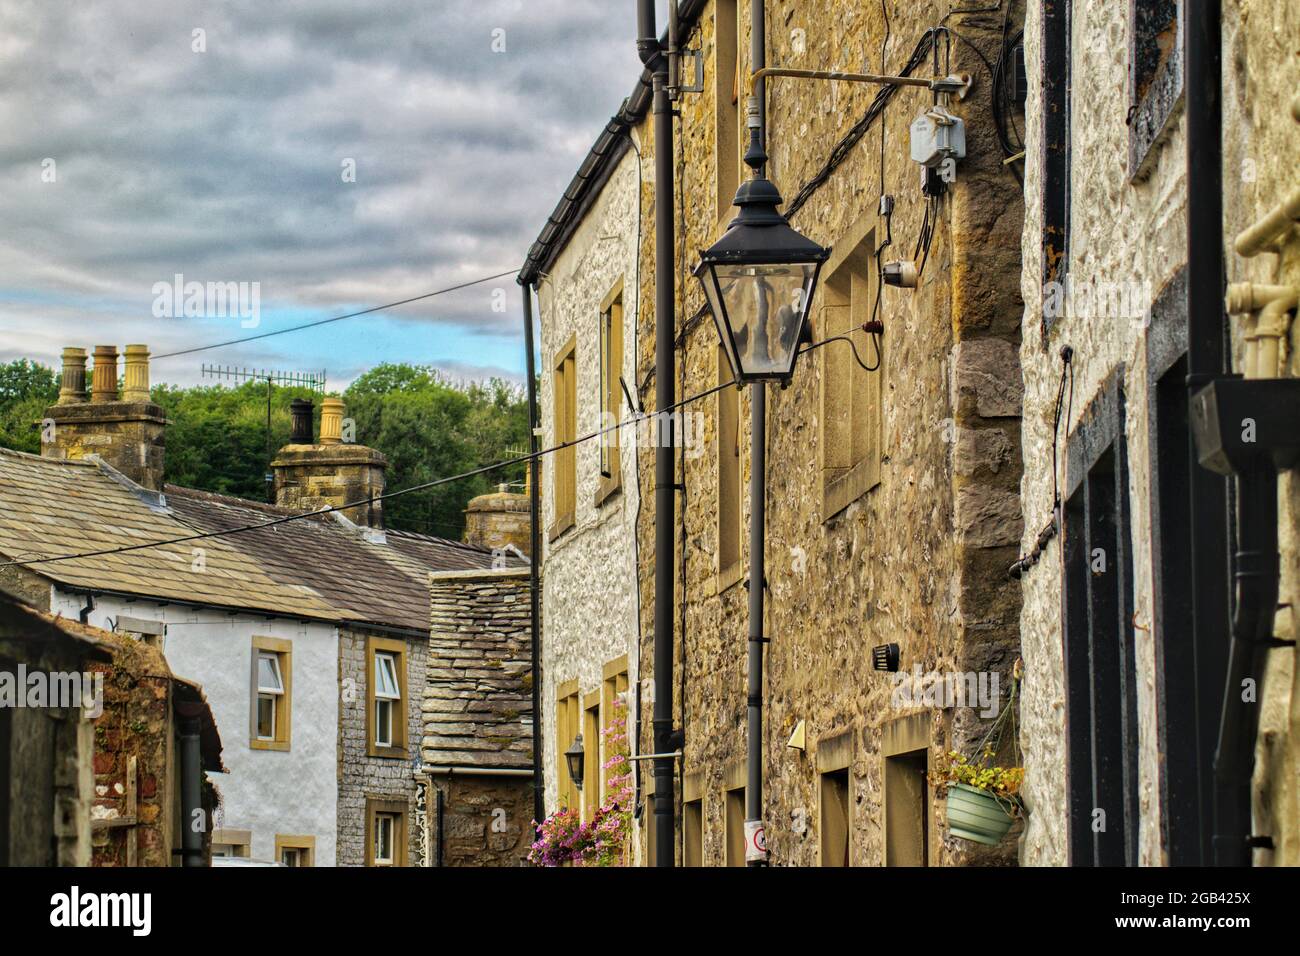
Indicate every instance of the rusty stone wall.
{"type": "Point", "coordinates": [920, 559]}
{"type": "Point", "coordinates": [137, 721]}
{"type": "Point", "coordinates": [486, 821]}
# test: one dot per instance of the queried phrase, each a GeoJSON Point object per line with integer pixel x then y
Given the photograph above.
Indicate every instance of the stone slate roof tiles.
{"type": "Point", "coordinates": [319, 567]}
{"type": "Point", "coordinates": [478, 685]}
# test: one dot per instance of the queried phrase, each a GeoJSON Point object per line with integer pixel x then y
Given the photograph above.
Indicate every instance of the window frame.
{"type": "Point", "coordinates": [1097, 636]}
{"type": "Point", "coordinates": [282, 713]}
{"type": "Point", "coordinates": [239, 841]}
{"type": "Point", "coordinates": [564, 417]}
{"type": "Point", "coordinates": [850, 453]}
{"type": "Point", "coordinates": [729, 558]}
{"type": "Point", "coordinates": [610, 391]}
{"type": "Point", "coordinates": [396, 810]}
{"type": "Point", "coordinates": [396, 748]}
{"type": "Point", "coordinates": [613, 685]}
{"type": "Point", "coordinates": [305, 844]}
{"type": "Point", "coordinates": [728, 112]}
{"type": "Point", "coordinates": [1154, 110]}
{"type": "Point", "coordinates": [566, 729]}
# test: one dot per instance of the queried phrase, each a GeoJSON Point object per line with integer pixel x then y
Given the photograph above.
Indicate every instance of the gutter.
{"type": "Point", "coordinates": [534, 559]}
{"type": "Point", "coordinates": [1205, 362]}
{"type": "Point", "coordinates": [470, 771]}
{"type": "Point", "coordinates": [599, 163]}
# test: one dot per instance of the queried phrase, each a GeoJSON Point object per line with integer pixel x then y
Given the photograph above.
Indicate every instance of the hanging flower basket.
{"type": "Point", "coordinates": [978, 815]}
{"type": "Point", "coordinates": [983, 799]}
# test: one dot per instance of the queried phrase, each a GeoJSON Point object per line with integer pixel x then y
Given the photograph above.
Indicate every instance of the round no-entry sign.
{"type": "Point", "coordinates": [755, 841]}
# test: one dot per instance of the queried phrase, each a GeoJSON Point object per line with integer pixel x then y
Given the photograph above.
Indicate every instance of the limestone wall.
{"type": "Point", "coordinates": [361, 775]}
{"type": "Point", "coordinates": [589, 572]}
{"type": "Point", "coordinates": [1261, 137]}
{"type": "Point", "coordinates": [1134, 232]}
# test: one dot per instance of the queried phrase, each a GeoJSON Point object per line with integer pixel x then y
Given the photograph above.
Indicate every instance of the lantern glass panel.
{"type": "Point", "coordinates": [763, 314]}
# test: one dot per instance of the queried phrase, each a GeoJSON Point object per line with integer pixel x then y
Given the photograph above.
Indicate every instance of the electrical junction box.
{"type": "Point", "coordinates": [937, 135]}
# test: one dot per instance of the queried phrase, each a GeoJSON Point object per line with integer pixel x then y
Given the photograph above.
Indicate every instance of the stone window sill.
{"type": "Point", "coordinates": [729, 577]}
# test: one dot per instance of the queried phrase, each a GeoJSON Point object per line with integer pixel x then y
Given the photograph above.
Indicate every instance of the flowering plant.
{"type": "Point", "coordinates": [1002, 782]}
{"type": "Point", "coordinates": [564, 837]}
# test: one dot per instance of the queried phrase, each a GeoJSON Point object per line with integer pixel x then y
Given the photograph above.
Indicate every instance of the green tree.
{"type": "Point", "coordinates": [430, 428]}
{"type": "Point", "coordinates": [27, 388]}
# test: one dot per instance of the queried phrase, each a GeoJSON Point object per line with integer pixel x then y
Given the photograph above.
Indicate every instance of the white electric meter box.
{"type": "Point", "coordinates": [937, 135]}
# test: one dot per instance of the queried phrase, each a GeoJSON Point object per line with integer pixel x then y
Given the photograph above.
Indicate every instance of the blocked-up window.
{"type": "Point", "coordinates": [693, 833]}
{"type": "Point", "coordinates": [611, 389]}
{"type": "Point", "coordinates": [907, 804]}
{"type": "Point", "coordinates": [727, 95]}
{"type": "Point", "coordinates": [729, 514]}
{"type": "Point", "coordinates": [566, 731]}
{"type": "Point", "coordinates": [834, 822]}
{"type": "Point", "coordinates": [564, 397]}
{"type": "Point", "coordinates": [852, 387]}
{"type": "Point", "coordinates": [735, 827]}
{"type": "Point", "coordinates": [1100, 671]}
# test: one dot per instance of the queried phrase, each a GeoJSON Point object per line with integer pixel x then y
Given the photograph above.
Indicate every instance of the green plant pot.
{"type": "Point", "coordinates": [977, 815]}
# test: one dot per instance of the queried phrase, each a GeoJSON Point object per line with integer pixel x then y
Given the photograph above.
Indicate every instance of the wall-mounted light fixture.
{"type": "Point", "coordinates": [798, 739]}
{"type": "Point", "coordinates": [574, 758]}
{"type": "Point", "coordinates": [884, 657]}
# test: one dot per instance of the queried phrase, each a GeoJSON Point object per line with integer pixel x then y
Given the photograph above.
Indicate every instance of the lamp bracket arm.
{"type": "Point", "coordinates": [959, 83]}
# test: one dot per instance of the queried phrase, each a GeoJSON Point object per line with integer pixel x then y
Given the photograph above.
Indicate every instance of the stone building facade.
{"type": "Point", "coordinates": [892, 505]}
{"type": "Point", "coordinates": [587, 281]}
{"type": "Point", "coordinates": [1117, 232]}
{"type": "Point", "coordinates": [476, 805]}
{"type": "Point", "coordinates": [368, 774]}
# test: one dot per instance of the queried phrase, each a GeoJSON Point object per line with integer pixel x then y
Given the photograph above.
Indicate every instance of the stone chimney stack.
{"type": "Point", "coordinates": [126, 431]}
{"type": "Point", "coordinates": [498, 519]}
{"type": "Point", "coordinates": [332, 471]}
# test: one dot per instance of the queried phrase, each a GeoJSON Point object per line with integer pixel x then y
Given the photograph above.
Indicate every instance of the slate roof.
{"type": "Point", "coordinates": [379, 583]}
{"type": "Point", "coordinates": [318, 568]}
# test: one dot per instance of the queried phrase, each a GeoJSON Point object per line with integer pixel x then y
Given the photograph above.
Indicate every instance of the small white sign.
{"type": "Point", "coordinates": [755, 841]}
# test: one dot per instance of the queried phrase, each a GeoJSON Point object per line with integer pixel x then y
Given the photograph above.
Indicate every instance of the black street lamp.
{"type": "Point", "coordinates": [759, 279]}
{"type": "Point", "coordinates": [574, 758]}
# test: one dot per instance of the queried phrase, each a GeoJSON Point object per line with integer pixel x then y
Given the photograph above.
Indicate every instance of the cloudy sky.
{"type": "Point", "coordinates": [136, 149]}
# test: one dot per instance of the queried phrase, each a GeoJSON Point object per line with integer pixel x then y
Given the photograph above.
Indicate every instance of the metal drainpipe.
{"type": "Point", "coordinates": [534, 563]}
{"type": "Point", "coordinates": [652, 55]}
{"type": "Point", "coordinates": [757, 522]}
{"type": "Point", "coordinates": [1205, 361]}
{"type": "Point", "coordinates": [191, 791]}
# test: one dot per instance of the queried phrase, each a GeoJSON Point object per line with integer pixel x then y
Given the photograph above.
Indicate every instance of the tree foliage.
{"type": "Point", "coordinates": [26, 389]}
{"type": "Point", "coordinates": [428, 427]}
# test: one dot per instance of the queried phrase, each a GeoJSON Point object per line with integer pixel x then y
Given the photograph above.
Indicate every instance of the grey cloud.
{"type": "Point", "coordinates": [226, 165]}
